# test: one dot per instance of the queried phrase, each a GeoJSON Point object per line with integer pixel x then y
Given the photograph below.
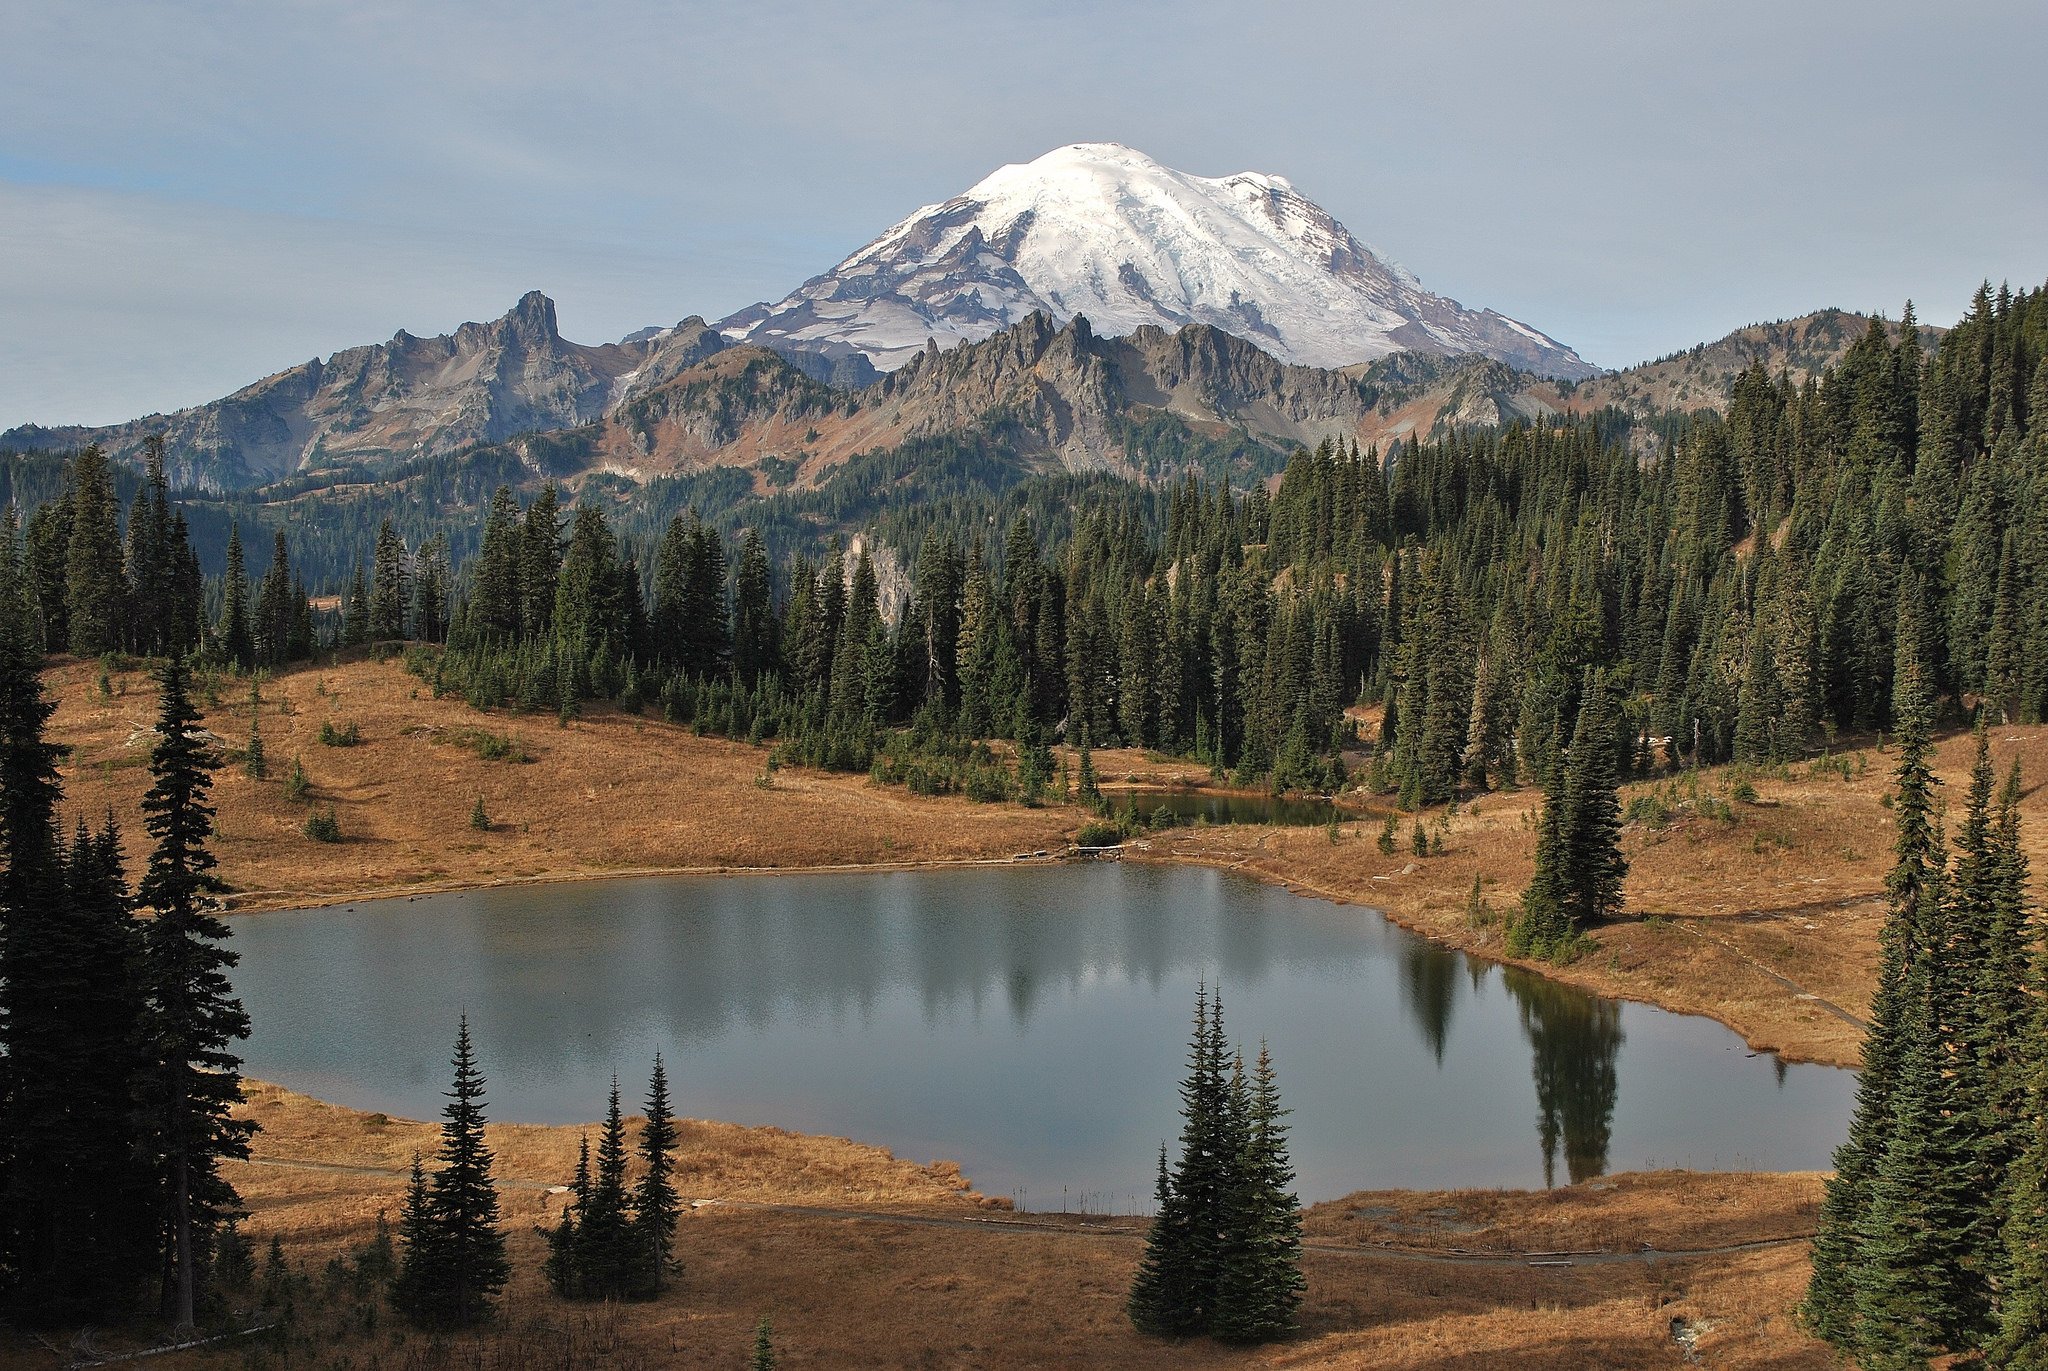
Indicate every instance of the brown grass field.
{"type": "Point", "coordinates": [862, 1260]}
{"type": "Point", "coordinates": [1766, 922]}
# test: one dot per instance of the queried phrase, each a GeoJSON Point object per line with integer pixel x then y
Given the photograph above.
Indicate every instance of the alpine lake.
{"type": "Point", "coordinates": [1029, 1022]}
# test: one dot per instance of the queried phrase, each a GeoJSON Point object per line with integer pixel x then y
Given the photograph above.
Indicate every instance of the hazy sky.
{"type": "Point", "coordinates": [195, 194]}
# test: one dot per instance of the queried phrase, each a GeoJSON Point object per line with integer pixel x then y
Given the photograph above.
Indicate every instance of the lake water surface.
{"type": "Point", "coordinates": [1030, 1023]}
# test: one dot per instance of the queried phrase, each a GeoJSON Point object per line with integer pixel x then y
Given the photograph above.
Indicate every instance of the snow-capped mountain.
{"type": "Point", "coordinates": [1101, 230]}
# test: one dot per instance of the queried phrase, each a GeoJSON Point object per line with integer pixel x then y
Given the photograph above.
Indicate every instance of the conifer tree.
{"type": "Point", "coordinates": [1912, 889]}
{"type": "Point", "coordinates": [237, 644]}
{"type": "Point", "coordinates": [193, 1018]}
{"type": "Point", "coordinates": [656, 1208]}
{"type": "Point", "coordinates": [2021, 1340]}
{"type": "Point", "coordinates": [1906, 1232]}
{"type": "Point", "coordinates": [77, 1227]}
{"type": "Point", "coordinates": [96, 578]}
{"type": "Point", "coordinates": [460, 1261]}
{"type": "Point", "coordinates": [1160, 1292]}
{"type": "Point", "coordinates": [604, 1252]}
{"type": "Point", "coordinates": [421, 1273]}
{"type": "Point", "coordinates": [764, 1346]}
{"type": "Point", "coordinates": [355, 612]}
{"type": "Point", "coordinates": [1259, 1282]}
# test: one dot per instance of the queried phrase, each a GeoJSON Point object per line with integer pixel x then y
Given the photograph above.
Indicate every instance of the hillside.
{"type": "Point", "coordinates": [1772, 948]}
{"type": "Point", "coordinates": [1702, 376]}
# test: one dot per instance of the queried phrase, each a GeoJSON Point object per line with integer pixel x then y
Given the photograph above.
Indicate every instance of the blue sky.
{"type": "Point", "coordinates": [193, 195]}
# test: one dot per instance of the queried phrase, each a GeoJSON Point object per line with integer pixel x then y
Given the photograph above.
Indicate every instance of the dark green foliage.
{"type": "Point", "coordinates": [1224, 1251]}
{"type": "Point", "coordinates": [1259, 1282]}
{"type": "Point", "coordinates": [764, 1346]}
{"type": "Point", "coordinates": [322, 826]}
{"type": "Point", "coordinates": [348, 735]}
{"type": "Point", "coordinates": [613, 1240]}
{"type": "Point", "coordinates": [78, 1234]}
{"type": "Point", "coordinates": [192, 1018]}
{"type": "Point", "coordinates": [478, 820]}
{"type": "Point", "coordinates": [296, 783]}
{"type": "Point", "coordinates": [254, 765]}
{"type": "Point", "coordinates": [238, 644]}
{"type": "Point", "coordinates": [656, 1207]}
{"type": "Point", "coordinates": [1930, 1230]}
{"type": "Point", "coordinates": [453, 1264]}
{"type": "Point", "coordinates": [95, 570]}
{"type": "Point", "coordinates": [1579, 867]}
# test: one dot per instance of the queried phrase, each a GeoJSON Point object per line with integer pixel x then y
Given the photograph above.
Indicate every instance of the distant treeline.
{"type": "Point", "coordinates": [1740, 588]}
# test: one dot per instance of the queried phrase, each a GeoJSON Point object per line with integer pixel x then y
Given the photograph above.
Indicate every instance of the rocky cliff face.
{"type": "Point", "coordinates": [405, 398]}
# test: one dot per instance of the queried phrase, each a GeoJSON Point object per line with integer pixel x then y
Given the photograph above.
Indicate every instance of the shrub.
{"type": "Point", "coordinates": [1744, 793]}
{"type": "Point", "coordinates": [479, 820]}
{"type": "Point", "coordinates": [498, 747]}
{"type": "Point", "coordinates": [1647, 810]}
{"type": "Point", "coordinates": [322, 827]}
{"type": "Point", "coordinates": [346, 736]}
{"type": "Point", "coordinates": [1098, 833]}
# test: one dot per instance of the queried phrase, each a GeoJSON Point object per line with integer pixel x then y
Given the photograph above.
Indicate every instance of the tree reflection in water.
{"type": "Point", "coordinates": [1576, 1038]}
{"type": "Point", "coordinates": [1429, 982]}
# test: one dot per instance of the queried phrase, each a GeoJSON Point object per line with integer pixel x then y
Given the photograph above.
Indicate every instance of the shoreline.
{"type": "Point", "coordinates": [274, 902]}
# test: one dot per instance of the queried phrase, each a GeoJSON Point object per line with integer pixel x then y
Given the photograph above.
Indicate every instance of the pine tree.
{"type": "Point", "coordinates": [421, 1274]}
{"type": "Point", "coordinates": [656, 1208]}
{"type": "Point", "coordinates": [237, 644]}
{"type": "Point", "coordinates": [1542, 924]}
{"type": "Point", "coordinates": [560, 1267]}
{"type": "Point", "coordinates": [460, 1244]}
{"type": "Point", "coordinates": [96, 579]}
{"type": "Point", "coordinates": [390, 593]}
{"type": "Point", "coordinates": [1591, 832]}
{"type": "Point", "coordinates": [1830, 1307]}
{"type": "Point", "coordinates": [1160, 1291]}
{"type": "Point", "coordinates": [1259, 1282]}
{"type": "Point", "coordinates": [1906, 1233]}
{"type": "Point", "coordinates": [77, 1228]}
{"type": "Point", "coordinates": [1185, 1251]}
{"type": "Point", "coordinates": [193, 1017]}
{"type": "Point", "coordinates": [605, 1257]}
{"type": "Point", "coordinates": [355, 612]}
{"type": "Point", "coordinates": [2021, 1341]}
{"type": "Point", "coordinates": [764, 1346]}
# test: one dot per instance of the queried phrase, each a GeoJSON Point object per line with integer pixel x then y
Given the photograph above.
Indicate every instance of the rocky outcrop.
{"type": "Point", "coordinates": [387, 402]}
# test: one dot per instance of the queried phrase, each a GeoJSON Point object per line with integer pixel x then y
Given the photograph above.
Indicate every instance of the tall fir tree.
{"type": "Point", "coordinates": [193, 1018]}
{"type": "Point", "coordinates": [656, 1208]}
{"type": "Point", "coordinates": [1259, 1283]}
{"type": "Point", "coordinates": [459, 1261]}
{"type": "Point", "coordinates": [237, 643]}
{"type": "Point", "coordinates": [1913, 894]}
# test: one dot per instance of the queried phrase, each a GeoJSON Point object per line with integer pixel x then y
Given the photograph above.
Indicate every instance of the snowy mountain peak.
{"type": "Point", "coordinates": [1102, 230]}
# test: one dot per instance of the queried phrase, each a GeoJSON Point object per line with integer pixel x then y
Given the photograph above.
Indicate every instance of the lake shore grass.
{"type": "Point", "coordinates": [1759, 912]}
{"type": "Point", "coordinates": [1766, 922]}
{"type": "Point", "coordinates": [866, 1260]}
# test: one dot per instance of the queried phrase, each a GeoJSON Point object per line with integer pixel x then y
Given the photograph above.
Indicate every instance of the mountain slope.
{"type": "Point", "coordinates": [406, 398]}
{"type": "Point", "coordinates": [1702, 376]}
{"type": "Point", "coordinates": [1101, 230]}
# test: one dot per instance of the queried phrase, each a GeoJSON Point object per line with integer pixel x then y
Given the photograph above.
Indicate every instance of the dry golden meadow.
{"type": "Point", "coordinates": [1766, 922]}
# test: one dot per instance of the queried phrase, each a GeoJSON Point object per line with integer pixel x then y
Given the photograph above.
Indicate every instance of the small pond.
{"type": "Point", "coordinates": [1028, 1022]}
{"type": "Point", "coordinates": [1226, 807]}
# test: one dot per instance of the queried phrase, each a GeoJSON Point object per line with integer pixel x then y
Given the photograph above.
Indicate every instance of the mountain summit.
{"type": "Point", "coordinates": [1101, 230]}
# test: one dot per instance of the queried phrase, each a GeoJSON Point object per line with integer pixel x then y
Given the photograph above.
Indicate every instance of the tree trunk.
{"type": "Point", "coordinates": [184, 1228]}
